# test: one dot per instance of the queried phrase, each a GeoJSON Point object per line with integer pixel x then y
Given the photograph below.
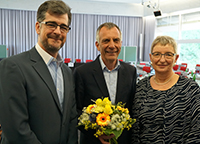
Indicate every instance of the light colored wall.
{"type": "Point", "coordinates": [81, 7]}
{"type": "Point", "coordinates": [170, 6]}
{"type": "Point", "coordinates": [107, 8]}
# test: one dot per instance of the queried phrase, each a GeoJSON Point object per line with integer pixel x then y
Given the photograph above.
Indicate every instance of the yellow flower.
{"type": "Point", "coordinates": [108, 110]}
{"type": "Point", "coordinates": [126, 110]}
{"type": "Point", "coordinates": [103, 119]}
{"type": "Point", "coordinates": [106, 101]}
{"type": "Point", "coordinates": [99, 109]}
{"type": "Point", "coordinates": [98, 102]}
{"type": "Point", "coordinates": [98, 133]}
{"type": "Point", "coordinates": [89, 108]}
{"type": "Point", "coordinates": [119, 108]}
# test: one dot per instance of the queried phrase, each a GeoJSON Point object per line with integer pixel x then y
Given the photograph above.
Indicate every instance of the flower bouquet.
{"type": "Point", "coordinates": [106, 118]}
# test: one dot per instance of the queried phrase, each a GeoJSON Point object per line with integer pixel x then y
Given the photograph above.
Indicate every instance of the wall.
{"type": "Point", "coordinates": [81, 7]}
{"type": "Point", "coordinates": [107, 8]}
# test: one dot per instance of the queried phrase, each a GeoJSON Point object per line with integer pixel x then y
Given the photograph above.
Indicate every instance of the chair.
{"type": "Point", "coordinates": [197, 68]}
{"type": "Point", "coordinates": [78, 60]}
{"type": "Point", "coordinates": [88, 61]}
{"type": "Point", "coordinates": [179, 73]}
{"type": "Point", "coordinates": [147, 69]}
{"type": "Point", "coordinates": [183, 68]}
{"type": "Point", "coordinates": [67, 60]}
{"type": "Point", "coordinates": [184, 64]}
{"type": "Point", "coordinates": [175, 68]}
{"type": "Point", "coordinates": [142, 63]}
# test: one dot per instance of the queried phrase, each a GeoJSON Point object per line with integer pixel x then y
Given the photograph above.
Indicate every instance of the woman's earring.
{"type": "Point", "coordinates": [151, 62]}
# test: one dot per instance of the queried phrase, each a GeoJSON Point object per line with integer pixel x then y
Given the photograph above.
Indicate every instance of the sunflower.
{"type": "Point", "coordinates": [103, 119]}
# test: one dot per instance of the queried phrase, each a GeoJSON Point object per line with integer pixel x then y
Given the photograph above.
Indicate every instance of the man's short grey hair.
{"type": "Point", "coordinates": [108, 25]}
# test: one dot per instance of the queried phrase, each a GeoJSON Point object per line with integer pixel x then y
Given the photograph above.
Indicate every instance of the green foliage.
{"type": "Point", "coordinates": [190, 34]}
{"type": "Point", "coordinates": [189, 53]}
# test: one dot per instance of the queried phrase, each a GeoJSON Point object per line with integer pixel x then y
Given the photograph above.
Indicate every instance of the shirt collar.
{"type": "Point", "coordinates": [103, 66]}
{"type": "Point", "coordinates": [47, 57]}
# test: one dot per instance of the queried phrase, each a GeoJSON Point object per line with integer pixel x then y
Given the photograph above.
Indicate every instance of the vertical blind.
{"type": "Point", "coordinates": [17, 32]}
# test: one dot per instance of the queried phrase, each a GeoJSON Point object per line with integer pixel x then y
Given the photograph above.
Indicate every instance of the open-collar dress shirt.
{"type": "Point", "coordinates": [54, 66]}
{"type": "Point", "coordinates": [110, 78]}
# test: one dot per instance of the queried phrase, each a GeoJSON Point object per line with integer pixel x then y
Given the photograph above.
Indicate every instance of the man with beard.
{"type": "Point", "coordinates": [37, 97]}
{"type": "Point", "coordinates": [105, 77]}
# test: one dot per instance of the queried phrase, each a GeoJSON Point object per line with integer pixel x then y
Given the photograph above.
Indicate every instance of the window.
{"type": "Point", "coordinates": [168, 26]}
{"type": "Point", "coordinates": [190, 28]}
{"type": "Point", "coordinates": [189, 53]}
{"type": "Point", "coordinates": [185, 29]}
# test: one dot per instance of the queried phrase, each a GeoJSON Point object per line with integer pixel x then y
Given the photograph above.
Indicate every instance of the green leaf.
{"type": "Point", "coordinates": [113, 140]}
{"type": "Point", "coordinates": [115, 132]}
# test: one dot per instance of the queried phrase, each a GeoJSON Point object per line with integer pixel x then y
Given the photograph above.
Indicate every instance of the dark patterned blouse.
{"type": "Point", "coordinates": [167, 117]}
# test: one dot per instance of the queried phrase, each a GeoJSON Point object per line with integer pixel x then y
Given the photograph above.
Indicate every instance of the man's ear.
{"type": "Point", "coordinates": [97, 45]}
{"type": "Point", "coordinates": [37, 27]}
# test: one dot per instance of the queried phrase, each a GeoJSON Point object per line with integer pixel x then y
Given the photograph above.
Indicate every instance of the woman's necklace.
{"type": "Point", "coordinates": [164, 82]}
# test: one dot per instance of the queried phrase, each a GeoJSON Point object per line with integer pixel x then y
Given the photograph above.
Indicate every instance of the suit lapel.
{"type": "Point", "coordinates": [66, 91]}
{"type": "Point", "coordinates": [120, 83]}
{"type": "Point", "coordinates": [99, 77]}
{"type": "Point", "coordinates": [41, 68]}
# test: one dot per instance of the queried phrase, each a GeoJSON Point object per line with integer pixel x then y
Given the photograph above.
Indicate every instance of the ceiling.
{"type": "Point", "coordinates": [127, 1]}
{"type": "Point", "coordinates": [121, 1]}
{"type": "Point", "coordinates": [110, 7]}
{"type": "Point", "coordinates": [167, 6]}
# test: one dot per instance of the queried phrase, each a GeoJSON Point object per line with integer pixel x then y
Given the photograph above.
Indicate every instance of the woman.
{"type": "Point", "coordinates": [166, 105]}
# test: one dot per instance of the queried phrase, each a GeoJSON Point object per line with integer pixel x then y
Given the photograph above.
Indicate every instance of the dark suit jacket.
{"type": "Point", "coordinates": [30, 112]}
{"type": "Point", "coordinates": [90, 84]}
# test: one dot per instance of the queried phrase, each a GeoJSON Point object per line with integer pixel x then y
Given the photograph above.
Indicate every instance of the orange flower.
{"type": "Point", "coordinates": [103, 119]}
{"type": "Point", "coordinates": [89, 108]}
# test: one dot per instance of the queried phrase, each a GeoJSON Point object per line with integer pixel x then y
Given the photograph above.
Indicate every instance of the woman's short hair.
{"type": "Point", "coordinates": [53, 7]}
{"type": "Point", "coordinates": [164, 40]}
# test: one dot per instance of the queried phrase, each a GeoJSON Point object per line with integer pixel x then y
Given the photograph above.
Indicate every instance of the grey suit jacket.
{"type": "Point", "coordinates": [90, 84]}
{"type": "Point", "coordinates": [30, 112]}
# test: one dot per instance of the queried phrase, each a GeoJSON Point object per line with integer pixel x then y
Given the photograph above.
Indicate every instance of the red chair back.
{"type": "Point", "coordinates": [197, 69]}
{"type": "Point", "coordinates": [184, 64]}
{"type": "Point", "coordinates": [88, 61]}
{"type": "Point", "coordinates": [179, 73]}
{"type": "Point", "coordinates": [183, 68]}
{"type": "Point", "coordinates": [175, 67]}
{"type": "Point", "coordinates": [147, 69]}
{"type": "Point", "coordinates": [78, 60]}
{"type": "Point", "coordinates": [67, 60]}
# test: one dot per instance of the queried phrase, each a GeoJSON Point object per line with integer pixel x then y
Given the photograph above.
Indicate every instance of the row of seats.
{"type": "Point", "coordinates": [68, 60]}
{"type": "Point", "coordinates": [178, 68]}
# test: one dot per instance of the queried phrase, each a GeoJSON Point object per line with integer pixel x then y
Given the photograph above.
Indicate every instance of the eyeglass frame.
{"type": "Point", "coordinates": [164, 54]}
{"type": "Point", "coordinates": [69, 28]}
